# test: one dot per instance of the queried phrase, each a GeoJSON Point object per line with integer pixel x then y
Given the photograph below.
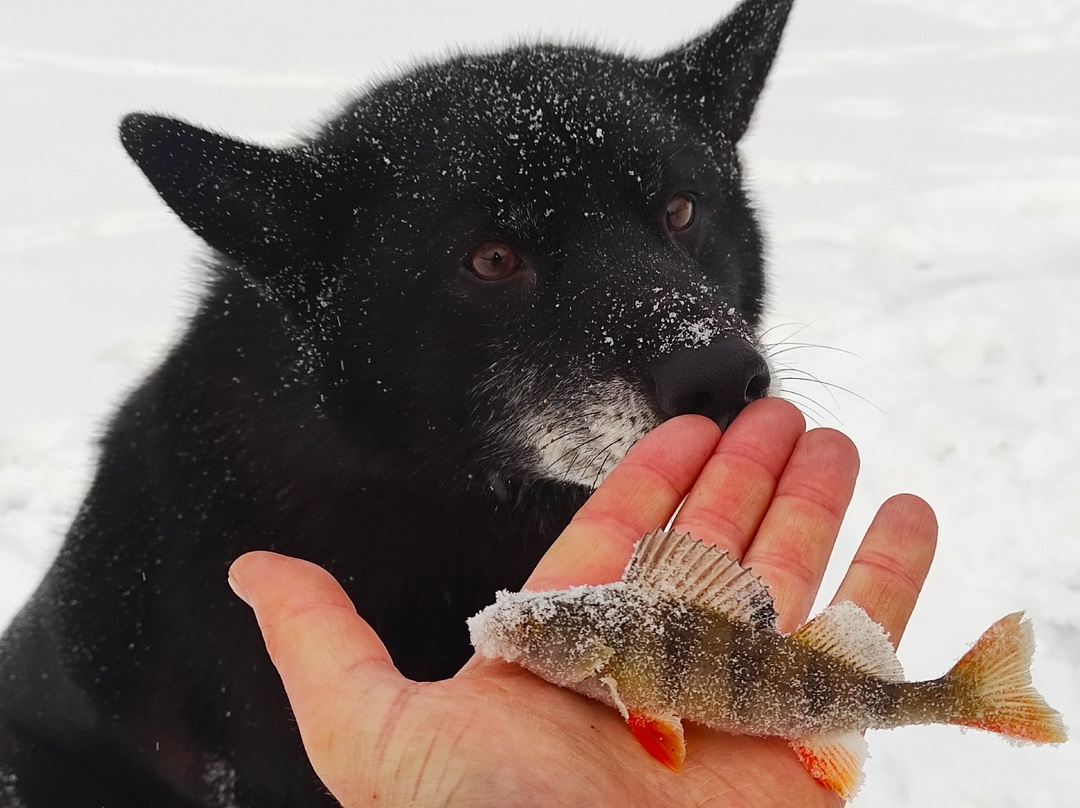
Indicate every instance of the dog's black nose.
{"type": "Point", "coordinates": [717, 380]}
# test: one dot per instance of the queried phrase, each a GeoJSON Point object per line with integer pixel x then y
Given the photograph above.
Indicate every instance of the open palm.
{"type": "Point", "coordinates": [768, 491]}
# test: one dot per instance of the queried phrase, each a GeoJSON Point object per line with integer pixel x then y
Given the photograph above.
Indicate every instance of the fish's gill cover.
{"type": "Point", "coordinates": [679, 566]}
{"type": "Point", "coordinates": [569, 636]}
{"type": "Point", "coordinates": [554, 628]}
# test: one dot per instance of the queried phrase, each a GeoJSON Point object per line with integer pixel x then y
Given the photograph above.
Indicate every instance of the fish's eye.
{"type": "Point", "coordinates": [493, 261]}
{"type": "Point", "coordinates": [680, 212]}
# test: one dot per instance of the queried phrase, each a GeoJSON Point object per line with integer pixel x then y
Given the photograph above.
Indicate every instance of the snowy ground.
{"type": "Point", "coordinates": [918, 162]}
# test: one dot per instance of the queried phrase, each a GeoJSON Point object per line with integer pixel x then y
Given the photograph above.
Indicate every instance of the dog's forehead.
{"type": "Point", "coordinates": [563, 96]}
{"type": "Point", "coordinates": [532, 113]}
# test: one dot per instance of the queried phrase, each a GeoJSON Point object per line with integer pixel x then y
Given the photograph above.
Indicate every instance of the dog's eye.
{"type": "Point", "coordinates": [680, 212]}
{"type": "Point", "coordinates": [493, 261]}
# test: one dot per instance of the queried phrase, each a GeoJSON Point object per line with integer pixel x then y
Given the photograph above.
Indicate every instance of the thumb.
{"type": "Point", "coordinates": [328, 657]}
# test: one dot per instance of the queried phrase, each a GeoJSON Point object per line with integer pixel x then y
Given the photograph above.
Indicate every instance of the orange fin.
{"type": "Point", "coordinates": [835, 760]}
{"type": "Point", "coordinates": [847, 633]}
{"type": "Point", "coordinates": [996, 676]}
{"type": "Point", "coordinates": [662, 737]}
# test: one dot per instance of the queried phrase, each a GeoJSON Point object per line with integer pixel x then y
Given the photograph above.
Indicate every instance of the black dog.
{"type": "Point", "coordinates": [431, 329]}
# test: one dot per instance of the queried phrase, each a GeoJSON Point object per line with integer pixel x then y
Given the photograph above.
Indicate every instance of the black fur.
{"type": "Point", "coordinates": [351, 393]}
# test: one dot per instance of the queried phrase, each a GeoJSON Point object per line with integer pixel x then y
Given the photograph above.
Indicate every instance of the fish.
{"type": "Point", "coordinates": [690, 634]}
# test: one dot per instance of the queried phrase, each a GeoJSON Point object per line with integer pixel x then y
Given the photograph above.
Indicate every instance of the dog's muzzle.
{"type": "Point", "coordinates": [716, 380]}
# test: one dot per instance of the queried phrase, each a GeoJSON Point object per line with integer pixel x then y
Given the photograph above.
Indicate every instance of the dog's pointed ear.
{"type": "Point", "coordinates": [717, 78]}
{"type": "Point", "coordinates": [252, 203]}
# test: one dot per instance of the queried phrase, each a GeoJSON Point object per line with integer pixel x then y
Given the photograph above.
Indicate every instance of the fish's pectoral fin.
{"type": "Point", "coordinates": [846, 632]}
{"type": "Point", "coordinates": [834, 760]}
{"type": "Point", "coordinates": [662, 737]}
{"type": "Point", "coordinates": [592, 660]}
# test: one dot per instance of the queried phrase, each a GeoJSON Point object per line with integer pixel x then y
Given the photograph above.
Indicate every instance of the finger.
{"type": "Point", "coordinates": [891, 564]}
{"type": "Point", "coordinates": [316, 640]}
{"type": "Point", "coordinates": [796, 538]}
{"type": "Point", "coordinates": [732, 495]}
{"type": "Point", "coordinates": [640, 494]}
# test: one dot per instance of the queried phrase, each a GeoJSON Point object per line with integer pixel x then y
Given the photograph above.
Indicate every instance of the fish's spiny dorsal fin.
{"type": "Point", "coordinates": [678, 566]}
{"type": "Point", "coordinates": [847, 633]}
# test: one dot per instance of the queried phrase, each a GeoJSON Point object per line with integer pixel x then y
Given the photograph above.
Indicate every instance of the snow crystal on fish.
{"type": "Point", "coordinates": [689, 633]}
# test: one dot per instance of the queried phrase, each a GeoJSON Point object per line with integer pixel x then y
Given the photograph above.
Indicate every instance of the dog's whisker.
{"type": "Point", "coordinates": [799, 377]}
{"type": "Point", "coordinates": [804, 376]}
{"type": "Point", "coordinates": [600, 457]}
{"type": "Point", "coordinates": [799, 328]}
{"type": "Point", "coordinates": [778, 348]}
{"type": "Point", "coordinates": [811, 408]}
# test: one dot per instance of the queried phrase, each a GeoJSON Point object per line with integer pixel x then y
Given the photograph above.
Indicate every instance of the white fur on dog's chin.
{"type": "Point", "coordinates": [581, 441]}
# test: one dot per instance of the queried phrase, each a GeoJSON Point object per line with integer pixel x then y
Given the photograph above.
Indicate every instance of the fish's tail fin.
{"type": "Point", "coordinates": [993, 681]}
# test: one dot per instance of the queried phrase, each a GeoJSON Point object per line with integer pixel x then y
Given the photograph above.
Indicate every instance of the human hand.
{"type": "Point", "coordinates": [768, 491]}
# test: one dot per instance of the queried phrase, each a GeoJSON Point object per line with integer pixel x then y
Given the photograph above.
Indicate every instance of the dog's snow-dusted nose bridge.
{"type": "Point", "coordinates": [716, 380]}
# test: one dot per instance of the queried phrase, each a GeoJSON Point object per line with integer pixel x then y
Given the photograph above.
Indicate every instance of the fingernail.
{"type": "Point", "coordinates": [238, 588]}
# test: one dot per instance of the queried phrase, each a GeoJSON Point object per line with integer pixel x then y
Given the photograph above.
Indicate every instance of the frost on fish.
{"type": "Point", "coordinates": [690, 634]}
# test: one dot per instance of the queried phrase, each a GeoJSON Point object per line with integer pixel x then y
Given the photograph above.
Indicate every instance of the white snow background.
{"type": "Point", "coordinates": [917, 163]}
